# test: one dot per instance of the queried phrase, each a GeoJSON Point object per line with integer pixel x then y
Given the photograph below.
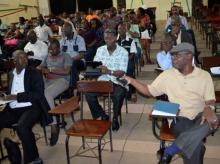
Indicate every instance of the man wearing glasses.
{"type": "Point", "coordinates": [193, 89]}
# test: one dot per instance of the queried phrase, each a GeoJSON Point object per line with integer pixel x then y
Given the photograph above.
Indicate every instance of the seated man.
{"type": "Point", "coordinates": [183, 36]}
{"type": "Point", "coordinates": [74, 45]}
{"type": "Point", "coordinates": [56, 67]}
{"type": "Point", "coordinates": [36, 49]}
{"type": "Point", "coordinates": [125, 41]}
{"type": "Point", "coordinates": [175, 11]}
{"type": "Point", "coordinates": [115, 60]}
{"type": "Point", "coordinates": [27, 106]}
{"type": "Point", "coordinates": [193, 89]}
{"type": "Point", "coordinates": [164, 57]}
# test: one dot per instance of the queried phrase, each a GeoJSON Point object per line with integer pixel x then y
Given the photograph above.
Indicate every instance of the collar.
{"type": "Point", "coordinates": [21, 74]}
{"type": "Point", "coordinates": [74, 37]}
{"type": "Point", "coordinates": [126, 38]}
{"type": "Point", "coordinates": [195, 72]}
{"type": "Point", "coordinates": [165, 52]}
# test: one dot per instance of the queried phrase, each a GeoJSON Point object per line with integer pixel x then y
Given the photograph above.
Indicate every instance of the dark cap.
{"type": "Point", "coordinates": [183, 47]}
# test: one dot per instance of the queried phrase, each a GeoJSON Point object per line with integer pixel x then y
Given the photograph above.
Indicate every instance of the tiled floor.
{"type": "Point", "coordinates": [134, 142]}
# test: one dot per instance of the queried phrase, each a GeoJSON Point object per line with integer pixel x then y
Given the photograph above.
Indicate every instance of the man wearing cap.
{"type": "Point", "coordinates": [193, 89]}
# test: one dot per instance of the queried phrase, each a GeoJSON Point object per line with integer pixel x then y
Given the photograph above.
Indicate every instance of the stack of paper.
{"type": "Point", "coordinates": [164, 108]}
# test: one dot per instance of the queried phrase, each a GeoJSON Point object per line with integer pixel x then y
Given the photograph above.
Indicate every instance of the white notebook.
{"type": "Point", "coordinates": [215, 70]}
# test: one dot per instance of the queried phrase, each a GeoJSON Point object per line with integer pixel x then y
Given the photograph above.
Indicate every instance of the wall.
{"type": "Point", "coordinates": [16, 5]}
{"type": "Point", "coordinates": [44, 7]}
{"type": "Point", "coordinates": [162, 6]}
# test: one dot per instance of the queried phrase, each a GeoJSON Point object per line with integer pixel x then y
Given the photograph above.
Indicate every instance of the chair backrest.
{"type": "Point", "coordinates": [100, 87]}
{"type": "Point", "coordinates": [210, 61]}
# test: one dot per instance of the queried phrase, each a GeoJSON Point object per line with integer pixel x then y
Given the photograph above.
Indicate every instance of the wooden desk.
{"type": "Point", "coordinates": [67, 107]}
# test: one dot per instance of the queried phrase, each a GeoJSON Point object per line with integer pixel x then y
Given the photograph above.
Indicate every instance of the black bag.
{"type": "Point", "coordinates": [14, 153]}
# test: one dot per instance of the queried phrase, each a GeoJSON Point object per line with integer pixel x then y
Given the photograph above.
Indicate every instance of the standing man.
{"type": "Point", "coordinates": [129, 44]}
{"type": "Point", "coordinates": [114, 60]}
{"type": "Point", "coordinates": [26, 91]}
{"type": "Point", "coordinates": [74, 45]}
{"type": "Point", "coordinates": [193, 89]}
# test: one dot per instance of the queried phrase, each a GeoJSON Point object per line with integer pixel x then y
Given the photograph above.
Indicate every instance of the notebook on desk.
{"type": "Point", "coordinates": [164, 108]}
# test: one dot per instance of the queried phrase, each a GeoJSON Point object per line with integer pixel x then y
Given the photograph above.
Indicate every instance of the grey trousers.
{"type": "Point", "coordinates": [52, 89]}
{"type": "Point", "coordinates": [189, 138]}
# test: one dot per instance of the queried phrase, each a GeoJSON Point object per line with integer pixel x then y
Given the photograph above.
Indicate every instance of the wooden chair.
{"type": "Point", "coordinates": [87, 128]}
{"type": "Point", "coordinates": [206, 64]}
{"type": "Point", "coordinates": [162, 132]}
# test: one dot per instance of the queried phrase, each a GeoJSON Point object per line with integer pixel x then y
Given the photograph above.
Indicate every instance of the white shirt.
{"type": "Point", "coordinates": [18, 87]}
{"type": "Point", "coordinates": [0, 50]}
{"type": "Point", "coordinates": [182, 19]}
{"type": "Point", "coordinates": [43, 32]}
{"type": "Point", "coordinates": [145, 34]}
{"type": "Point", "coordinates": [132, 47]}
{"type": "Point", "coordinates": [118, 60]}
{"type": "Point", "coordinates": [40, 50]}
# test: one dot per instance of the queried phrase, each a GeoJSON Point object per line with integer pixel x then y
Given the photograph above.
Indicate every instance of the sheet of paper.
{"type": "Point", "coordinates": [2, 102]}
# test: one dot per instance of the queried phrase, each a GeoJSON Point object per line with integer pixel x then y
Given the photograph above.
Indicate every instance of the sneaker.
{"type": "Point", "coordinates": [166, 159]}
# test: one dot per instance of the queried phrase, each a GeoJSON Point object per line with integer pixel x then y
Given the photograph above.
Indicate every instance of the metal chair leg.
{"type": "Point", "coordinates": [83, 142]}
{"type": "Point", "coordinates": [100, 151]}
{"type": "Point", "coordinates": [67, 150]}
{"type": "Point", "coordinates": [45, 135]}
{"type": "Point", "coordinates": [110, 138]}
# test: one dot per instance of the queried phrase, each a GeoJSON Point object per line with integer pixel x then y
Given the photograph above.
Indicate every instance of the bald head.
{"type": "Point", "coordinates": [68, 30]}
{"type": "Point", "coordinates": [32, 36]}
{"type": "Point", "coordinates": [20, 60]}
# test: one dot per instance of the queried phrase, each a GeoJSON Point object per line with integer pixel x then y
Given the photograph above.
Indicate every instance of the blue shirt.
{"type": "Point", "coordinates": [164, 60]}
{"type": "Point", "coordinates": [74, 46]}
{"type": "Point", "coordinates": [118, 60]}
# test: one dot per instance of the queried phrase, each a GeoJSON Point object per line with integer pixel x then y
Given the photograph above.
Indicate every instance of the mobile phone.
{"type": "Point", "coordinates": [122, 81]}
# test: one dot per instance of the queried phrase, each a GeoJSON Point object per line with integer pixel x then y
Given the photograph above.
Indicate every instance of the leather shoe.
{"type": "Point", "coordinates": [14, 153]}
{"type": "Point", "coordinates": [115, 125]}
{"type": "Point", "coordinates": [166, 159]}
{"type": "Point", "coordinates": [55, 130]}
{"type": "Point", "coordinates": [37, 161]}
